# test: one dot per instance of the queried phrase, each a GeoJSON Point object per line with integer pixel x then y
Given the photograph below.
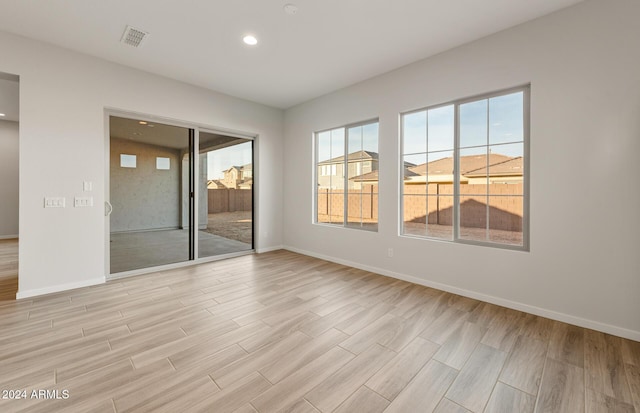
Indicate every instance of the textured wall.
{"type": "Point", "coordinates": [144, 198]}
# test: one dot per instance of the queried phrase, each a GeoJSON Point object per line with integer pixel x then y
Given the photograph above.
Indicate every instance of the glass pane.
{"type": "Point", "coordinates": [337, 143]}
{"type": "Point", "coordinates": [323, 197]}
{"type": "Point", "coordinates": [505, 219]}
{"type": "Point", "coordinates": [336, 163]}
{"type": "Point", "coordinates": [355, 141]}
{"type": "Point", "coordinates": [163, 163]}
{"type": "Point", "coordinates": [440, 128]}
{"type": "Point", "coordinates": [370, 207]}
{"type": "Point", "coordinates": [507, 167]}
{"type": "Point", "coordinates": [363, 208]}
{"type": "Point", "coordinates": [414, 215]}
{"type": "Point", "coordinates": [440, 217]}
{"type": "Point", "coordinates": [440, 167]}
{"type": "Point", "coordinates": [506, 118]}
{"type": "Point", "coordinates": [370, 137]}
{"type": "Point", "coordinates": [127, 161]}
{"type": "Point", "coordinates": [226, 197]}
{"type": "Point", "coordinates": [337, 176]}
{"type": "Point", "coordinates": [415, 174]}
{"type": "Point", "coordinates": [473, 123]}
{"type": "Point", "coordinates": [473, 170]}
{"type": "Point", "coordinates": [150, 221]}
{"type": "Point", "coordinates": [354, 209]}
{"type": "Point", "coordinates": [414, 132]}
{"type": "Point", "coordinates": [324, 146]}
{"type": "Point", "coordinates": [336, 208]}
{"type": "Point", "coordinates": [473, 218]}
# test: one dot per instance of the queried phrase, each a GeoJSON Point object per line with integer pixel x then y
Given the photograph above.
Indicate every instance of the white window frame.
{"type": "Point", "coordinates": [345, 176]}
{"type": "Point", "coordinates": [526, 90]}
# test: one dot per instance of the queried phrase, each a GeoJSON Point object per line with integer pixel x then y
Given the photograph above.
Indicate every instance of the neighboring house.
{"type": "Point", "coordinates": [215, 184]}
{"type": "Point", "coordinates": [474, 169]}
{"type": "Point", "coordinates": [238, 177]}
{"type": "Point", "coordinates": [247, 184]}
{"type": "Point", "coordinates": [331, 171]}
{"type": "Point", "coordinates": [371, 178]}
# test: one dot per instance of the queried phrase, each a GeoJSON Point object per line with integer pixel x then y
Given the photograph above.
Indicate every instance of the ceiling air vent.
{"type": "Point", "coordinates": [134, 37]}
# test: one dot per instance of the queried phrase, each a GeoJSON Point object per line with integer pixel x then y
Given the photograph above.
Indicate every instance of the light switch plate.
{"type": "Point", "coordinates": [87, 186]}
{"type": "Point", "coordinates": [83, 201]}
{"type": "Point", "coordinates": [54, 202]}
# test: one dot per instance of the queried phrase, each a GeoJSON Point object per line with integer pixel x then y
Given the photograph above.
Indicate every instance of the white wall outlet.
{"type": "Point", "coordinates": [87, 186]}
{"type": "Point", "coordinates": [54, 202]}
{"type": "Point", "coordinates": [390, 252]}
{"type": "Point", "coordinates": [83, 201]}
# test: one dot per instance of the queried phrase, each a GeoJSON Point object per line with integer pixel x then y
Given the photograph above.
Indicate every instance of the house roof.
{"type": "Point", "coordinates": [354, 156]}
{"type": "Point", "coordinates": [368, 177]}
{"type": "Point", "coordinates": [373, 175]}
{"type": "Point", "coordinates": [247, 167]}
{"type": "Point", "coordinates": [215, 184]}
{"type": "Point", "coordinates": [513, 166]}
{"type": "Point", "coordinates": [469, 163]}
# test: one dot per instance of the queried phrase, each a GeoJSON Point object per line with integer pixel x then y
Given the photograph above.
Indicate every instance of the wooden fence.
{"type": "Point", "coordinates": [229, 200]}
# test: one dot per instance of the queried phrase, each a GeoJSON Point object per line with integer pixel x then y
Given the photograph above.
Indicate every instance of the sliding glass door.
{"type": "Point", "coordinates": [154, 217]}
{"type": "Point", "coordinates": [225, 204]}
{"type": "Point", "coordinates": [150, 174]}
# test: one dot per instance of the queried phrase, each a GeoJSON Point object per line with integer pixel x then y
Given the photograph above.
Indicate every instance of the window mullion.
{"type": "Point", "coordinates": [345, 172]}
{"type": "Point", "coordinates": [487, 181]}
{"type": "Point", "coordinates": [456, 174]}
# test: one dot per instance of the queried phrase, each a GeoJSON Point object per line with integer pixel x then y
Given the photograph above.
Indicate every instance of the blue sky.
{"type": "Point", "coordinates": [361, 138]}
{"type": "Point", "coordinates": [504, 120]}
{"type": "Point", "coordinates": [222, 159]}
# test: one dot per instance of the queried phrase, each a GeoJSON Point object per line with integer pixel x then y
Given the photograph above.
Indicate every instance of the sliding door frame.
{"type": "Point", "coordinates": [194, 190]}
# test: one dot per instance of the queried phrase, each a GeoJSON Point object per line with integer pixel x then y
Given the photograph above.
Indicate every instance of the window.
{"type": "Point", "coordinates": [163, 163]}
{"type": "Point", "coordinates": [465, 170]}
{"type": "Point", "coordinates": [127, 161]}
{"type": "Point", "coordinates": [347, 186]}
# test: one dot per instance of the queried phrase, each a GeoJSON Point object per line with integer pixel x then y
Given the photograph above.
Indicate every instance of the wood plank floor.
{"type": "Point", "coordinates": [282, 332]}
{"type": "Point", "coordinates": [8, 269]}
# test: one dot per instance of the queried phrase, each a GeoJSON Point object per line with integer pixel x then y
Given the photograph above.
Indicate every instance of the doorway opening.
{"type": "Point", "coordinates": [9, 184]}
{"type": "Point", "coordinates": [177, 194]}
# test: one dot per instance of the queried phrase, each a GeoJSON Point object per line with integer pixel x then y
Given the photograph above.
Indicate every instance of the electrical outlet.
{"type": "Point", "coordinates": [87, 186]}
{"type": "Point", "coordinates": [390, 252]}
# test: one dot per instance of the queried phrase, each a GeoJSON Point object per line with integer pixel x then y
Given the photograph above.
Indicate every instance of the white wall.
{"type": "Point", "coordinates": [583, 267]}
{"type": "Point", "coordinates": [8, 179]}
{"type": "Point", "coordinates": [63, 96]}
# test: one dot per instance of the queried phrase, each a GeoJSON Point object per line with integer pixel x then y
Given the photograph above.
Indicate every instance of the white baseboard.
{"type": "Point", "coordinates": [542, 312]}
{"type": "Point", "coordinates": [8, 236]}
{"type": "Point", "coordinates": [269, 249]}
{"type": "Point", "coordinates": [57, 288]}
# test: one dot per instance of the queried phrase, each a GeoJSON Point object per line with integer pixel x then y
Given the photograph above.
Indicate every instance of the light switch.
{"type": "Point", "coordinates": [83, 201]}
{"type": "Point", "coordinates": [87, 186]}
{"type": "Point", "coordinates": [54, 202]}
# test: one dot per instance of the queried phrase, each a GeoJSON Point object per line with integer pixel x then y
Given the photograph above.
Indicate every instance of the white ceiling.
{"type": "Point", "coordinates": [327, 45]}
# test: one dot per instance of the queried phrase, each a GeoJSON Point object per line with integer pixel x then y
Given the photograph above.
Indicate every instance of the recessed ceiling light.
{"type": "Point", "coordinates": [2, 114]}
{"type": "Point", "coordinates": [142, 122]}
{"type": "Point", "coordinates": [250, 40]}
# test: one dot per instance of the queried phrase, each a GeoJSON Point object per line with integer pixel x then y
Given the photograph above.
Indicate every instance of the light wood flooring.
{"type": "Point", "coordinates": [8, 269]}
{"type": "Point", "coordinates": [282, 332]}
